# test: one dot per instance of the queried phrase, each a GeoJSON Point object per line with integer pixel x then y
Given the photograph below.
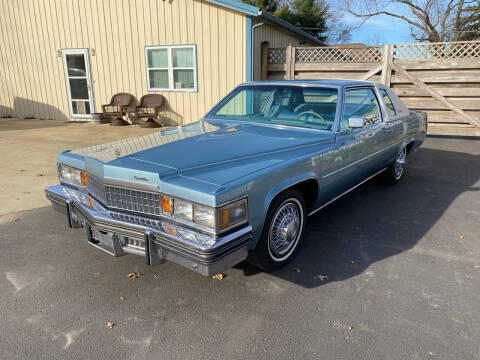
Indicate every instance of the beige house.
{"type": "Point", "coordinates": [64, 59]}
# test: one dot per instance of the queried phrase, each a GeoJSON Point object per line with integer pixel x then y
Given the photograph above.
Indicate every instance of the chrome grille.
{"type": "Point", "coordinates": [138, 220]}
{"type": "Point", "coordinates": [96, 188]}
{"type": "Point", "coordinates": [135, 243]}
{"type": "Point", "coordinates": [124, 199]}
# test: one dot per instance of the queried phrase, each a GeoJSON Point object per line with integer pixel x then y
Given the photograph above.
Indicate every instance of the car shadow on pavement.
{"type": "Point", "coordinates": [376, 221]}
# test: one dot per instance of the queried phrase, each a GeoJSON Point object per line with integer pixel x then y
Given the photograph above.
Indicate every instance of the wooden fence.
{"type": "Point", "coordinates": [442, 79]}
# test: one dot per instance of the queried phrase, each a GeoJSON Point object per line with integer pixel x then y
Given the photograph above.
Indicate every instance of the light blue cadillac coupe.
{"type": "Point", "coordinates": [240, 183]}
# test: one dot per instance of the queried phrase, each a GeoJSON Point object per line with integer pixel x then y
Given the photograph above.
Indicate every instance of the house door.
{"type": "Point", "coordinates": [76, 66]}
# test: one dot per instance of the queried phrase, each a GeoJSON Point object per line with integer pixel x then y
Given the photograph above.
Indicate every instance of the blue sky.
{"type": "Point", "coordinates": [379, 30]}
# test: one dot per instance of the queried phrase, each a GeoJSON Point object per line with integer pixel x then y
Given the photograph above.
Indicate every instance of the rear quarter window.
{"type": "Point", "coordinates": [400, 107]}
{"type": "Point", "coordinates": [391, 111]}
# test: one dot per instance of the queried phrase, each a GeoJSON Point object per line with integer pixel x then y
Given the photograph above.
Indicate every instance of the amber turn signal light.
{"type": "Point", "coordinates": [224, 218]}
{"type": "Point", "coordinates": [83, 178]}
{"type": "Point", "coordinates": [167, 205]}
{"type": "Point", "coordinates": [170, 230]}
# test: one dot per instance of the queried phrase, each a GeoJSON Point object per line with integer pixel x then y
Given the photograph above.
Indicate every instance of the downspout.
{"type": "Point", "coordinates": [252, 41]}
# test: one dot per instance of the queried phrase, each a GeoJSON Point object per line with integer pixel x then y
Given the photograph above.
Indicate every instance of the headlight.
{"type": "Point", "coordinates": [183, 209]}
{"type": "Point", "coordinates": [216, 219]}
{"type": "Point", "coordinates": [204, 215]}
{"type": "Point", "coordinates": [233, 214]}
{"type": "Point", "coordinates": [72, 175]}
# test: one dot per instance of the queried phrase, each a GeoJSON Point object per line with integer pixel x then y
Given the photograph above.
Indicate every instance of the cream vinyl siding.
{"type": "Point", "coordinates": [276, 37]}
{"type": "Point", "coordinates": [32, 81]}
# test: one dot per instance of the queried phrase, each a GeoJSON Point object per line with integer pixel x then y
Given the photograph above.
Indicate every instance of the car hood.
{"type": "Point", "coordinates": [213, 151]}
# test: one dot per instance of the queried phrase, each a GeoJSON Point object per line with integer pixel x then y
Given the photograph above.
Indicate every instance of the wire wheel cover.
{"type": "Point", "coordinates": [400, 163]}
{"type": "Point", "coordinates": [285, 229]}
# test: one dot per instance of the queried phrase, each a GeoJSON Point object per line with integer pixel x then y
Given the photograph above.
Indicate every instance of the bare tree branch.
{"type": "Point", "coordinates": [443, 27]}
{"type": "Point", "coordinates": [404, 18]}
{"type": "Point", "coordinates": [429, 20]}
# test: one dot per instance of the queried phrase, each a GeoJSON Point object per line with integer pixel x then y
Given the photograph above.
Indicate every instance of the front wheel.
{"type": "Point", "coordinates": [395, 171]}
{"type": "Point", "coordinates": [282, 231]}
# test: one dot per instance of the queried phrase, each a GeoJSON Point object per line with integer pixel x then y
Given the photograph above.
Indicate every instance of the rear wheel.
{"type": "Point", "coordinates": [282, 231]}
{"type": "Point", "coordinates": [395, 171]}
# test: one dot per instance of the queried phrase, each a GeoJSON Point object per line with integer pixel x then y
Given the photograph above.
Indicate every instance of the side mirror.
{"type": "Point", "coordinates": [355, 122]}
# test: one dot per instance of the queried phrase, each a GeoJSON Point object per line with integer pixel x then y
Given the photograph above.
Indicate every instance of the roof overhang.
{"type": "Point", "coordinates": [237, 5]}
{"type": "Point", "coordinates": [265, 16]}
{"type": "Point", "coordinates": [282, 23]}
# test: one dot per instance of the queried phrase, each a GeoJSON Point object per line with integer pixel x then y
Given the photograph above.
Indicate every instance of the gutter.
{"type": "Point", "coordinates": [252, 42]}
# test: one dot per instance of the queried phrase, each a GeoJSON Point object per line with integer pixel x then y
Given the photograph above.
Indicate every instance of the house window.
{"type": "Point", "coordinates": [171, 68]}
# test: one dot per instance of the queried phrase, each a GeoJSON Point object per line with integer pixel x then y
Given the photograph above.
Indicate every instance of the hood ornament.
{"type": "Point", "coordinates": [117, 152]}
{"type": "Point", "coordinates": [140, 178]}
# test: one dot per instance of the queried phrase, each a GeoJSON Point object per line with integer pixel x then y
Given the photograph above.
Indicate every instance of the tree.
{"type": "Point", "coordinates": [471, 18]}
{"type": "Point", "coordinates": [265, 5]}
{"type": "Point", "coordinates": [312, 16]}
{"type": "Point", "coordinates": [429, 20]}
{"type": "Point", "coordinates": [308, 15]}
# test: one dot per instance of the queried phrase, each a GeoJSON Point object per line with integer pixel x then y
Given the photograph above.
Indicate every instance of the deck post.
{"type": "Point", "coordinates": [290, 63]}
{"type": "Point", "coordinates": [387, 64]}
{"type": "Point", "coordinates": [264, 61]}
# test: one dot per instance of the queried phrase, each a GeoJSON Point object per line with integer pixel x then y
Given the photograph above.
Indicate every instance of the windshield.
{"type": "Point", "coordinates": [281, 105]}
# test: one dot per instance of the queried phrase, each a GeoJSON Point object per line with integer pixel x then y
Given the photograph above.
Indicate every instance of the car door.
{"type": "Point", "coordinates": [393, 126]}
{"type": "Point", "coordinates": [357, 149]}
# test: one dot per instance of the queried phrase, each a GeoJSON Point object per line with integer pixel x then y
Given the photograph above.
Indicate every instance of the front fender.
{"type": "Point", "coordinates": [284, 185]}
{"type": "Point", "coordinates": [67, 158]}
{"type": "Point", "coordinates": [272, 193]}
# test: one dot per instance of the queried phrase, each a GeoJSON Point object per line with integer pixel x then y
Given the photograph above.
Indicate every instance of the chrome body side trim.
{"type": "Point", "coordinates": [345, 192]}
{"type": "Point", "coordinates": [360, 160]}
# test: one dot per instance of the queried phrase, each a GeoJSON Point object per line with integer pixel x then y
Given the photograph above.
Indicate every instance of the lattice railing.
{"type": "Point", "coordinates": [277, 55]}
{"type": "Point", "coordinates": [334, 54]}
{"type": "Point", "coordinates": [445, 50]}
{"type": "Point", "coordinates": [373, 54]}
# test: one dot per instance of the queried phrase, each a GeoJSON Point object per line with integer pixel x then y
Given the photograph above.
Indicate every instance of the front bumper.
{"type": "Point", "coordinates": [119, 233]}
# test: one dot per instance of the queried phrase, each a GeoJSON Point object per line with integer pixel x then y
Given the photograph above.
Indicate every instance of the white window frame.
{"type": "Point", "coordinates": [171, 68]}
{"type": "Point", "coordinates": [88, 76]}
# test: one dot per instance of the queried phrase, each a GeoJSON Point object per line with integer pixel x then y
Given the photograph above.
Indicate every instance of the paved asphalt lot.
{"type": "Point", "coordinates": [400, 262]}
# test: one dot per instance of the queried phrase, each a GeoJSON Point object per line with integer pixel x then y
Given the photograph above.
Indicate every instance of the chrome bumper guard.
{"type": "Point", "coordinates": [119, 233]}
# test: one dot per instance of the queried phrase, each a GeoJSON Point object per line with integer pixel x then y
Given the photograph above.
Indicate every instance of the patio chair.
{"type": "Point", "coordinates": [148, 112]}
{"type": "Point", "coordinates": [118, 107]}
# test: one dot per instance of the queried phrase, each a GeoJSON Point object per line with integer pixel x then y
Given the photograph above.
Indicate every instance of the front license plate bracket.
{"type": "Point", "coordinates": [107, 242]}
